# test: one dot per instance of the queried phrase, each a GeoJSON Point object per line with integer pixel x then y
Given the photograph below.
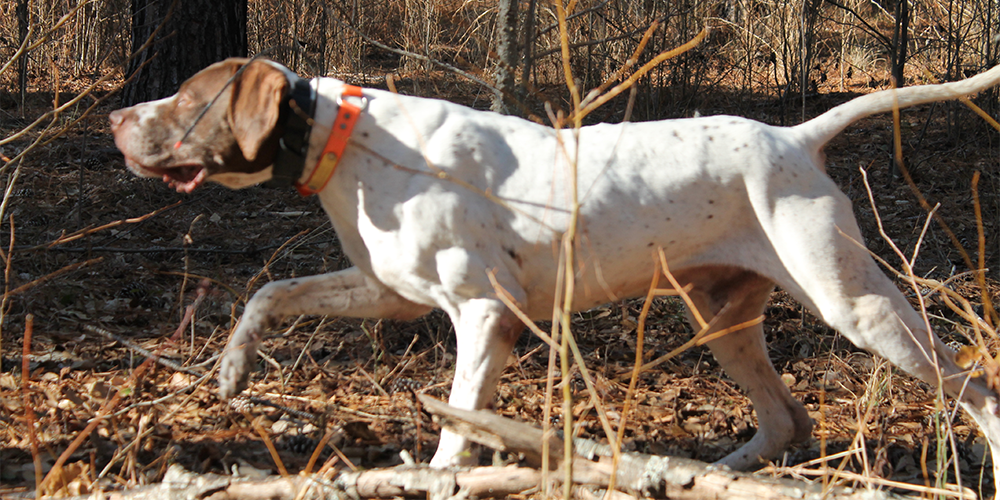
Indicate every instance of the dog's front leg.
{"type": "Point", "coordinates": [349, 293]}
{"type": "Point", "coordinates": [486, 331]}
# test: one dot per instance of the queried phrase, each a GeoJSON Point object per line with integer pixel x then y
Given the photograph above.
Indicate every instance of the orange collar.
{"type": "Point", "coordinates": [347, 116]}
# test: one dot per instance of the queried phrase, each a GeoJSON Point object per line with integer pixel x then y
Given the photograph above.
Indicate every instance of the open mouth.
{"type": "Point", "coordinates": [183, 178]}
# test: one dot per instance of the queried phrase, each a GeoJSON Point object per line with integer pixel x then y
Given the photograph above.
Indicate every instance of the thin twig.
{"type": "Point", "coordinates": [72, 267]}
{"type": "Point", "coordinates": [267, 442]}
{"type": "Point", "coordinates": [91, 230]}
{"type": "Point", "coordinates": [132, 346]}
{"type": "Point", "coordinates": [29, 409]}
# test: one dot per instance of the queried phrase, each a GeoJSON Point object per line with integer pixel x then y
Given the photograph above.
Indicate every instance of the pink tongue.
{"type": "Point", "coordinates": [186, 185]}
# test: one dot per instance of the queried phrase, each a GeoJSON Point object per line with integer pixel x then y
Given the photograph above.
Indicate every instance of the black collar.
{"type": "Point", "coordinates": [293, 145]}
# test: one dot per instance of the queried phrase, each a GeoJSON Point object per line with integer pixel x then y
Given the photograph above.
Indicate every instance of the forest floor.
{"type": "Point", "coordinates": [357, 376]}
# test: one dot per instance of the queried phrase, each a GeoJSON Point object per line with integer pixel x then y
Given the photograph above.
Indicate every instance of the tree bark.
{"type": "Point", "coordinates": [528, 47]}
{"type": "Point", "coordinates": [194, 34]}
{"type": "Point", "coordinates": [503, 100]}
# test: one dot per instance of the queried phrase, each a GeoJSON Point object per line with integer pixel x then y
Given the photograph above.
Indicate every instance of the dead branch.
{"type": "Point", "coordinates": [636, 475]}
{"type": "Point", "coordinates": [649, 475]}
{"type": "Point", "coordinates": [402, 481]}
{"type": "Point", "coordinates": [656, 477]}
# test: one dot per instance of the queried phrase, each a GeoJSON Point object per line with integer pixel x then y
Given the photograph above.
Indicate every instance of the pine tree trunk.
{"type": "Point", "coordinates": [195, 33]}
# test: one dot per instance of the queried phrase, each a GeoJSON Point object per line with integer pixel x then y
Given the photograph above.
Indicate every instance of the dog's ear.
{"type": "Point", "coordinates": [256, 101]}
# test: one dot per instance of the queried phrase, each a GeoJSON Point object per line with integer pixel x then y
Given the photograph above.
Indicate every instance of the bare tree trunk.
{"type": "Point", "coordinates": [528, 47]}
{"type": "Point", "coordinates": [325, 23]}
{"type": "Point", "coordinates": [897, 62]}
{"type": "Point", "coordinates": [195, 33]}
{"type": "Point", "coordinates": [296, 43]}
{"type": "Point", "coordinates": [990, 100]}
{"type": "Point", "coordinates": [900, 39]}
{"type": "Point", "coordinates": [22, 63]}
{"type": "Point", "coordinates": [953, 54]}
{"type": "Point", "coordinates": [508, 55]}
{"type": "Point", "coordinates": [810, 11]}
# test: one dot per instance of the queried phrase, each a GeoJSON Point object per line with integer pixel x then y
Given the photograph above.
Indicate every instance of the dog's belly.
{"type": "Point", "coordinates": [608, 272]}
{"type": "Point", "coordinates": [683, 194]}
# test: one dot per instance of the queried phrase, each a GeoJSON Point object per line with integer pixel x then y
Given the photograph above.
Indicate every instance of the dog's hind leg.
{"type": "Point", "coordinates": [348, 293]}
{"type": "Point", "coordinates": [822, 263]}
{"type": "Point", "coordinates": [740, 296]}
{"type": "Point", "coordinates": [486, 332]}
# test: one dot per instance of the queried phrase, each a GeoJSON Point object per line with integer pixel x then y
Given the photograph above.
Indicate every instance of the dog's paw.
{"type": "Point", "coordinates": [454, 450]}
{"type": "Point", "coordinates": [232, 374]}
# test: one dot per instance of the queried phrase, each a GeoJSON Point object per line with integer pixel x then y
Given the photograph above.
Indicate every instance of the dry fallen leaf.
{"type": "Point", "coordinates": [967, 356]}
{"type": "Point", "coordinates": [70, 480]}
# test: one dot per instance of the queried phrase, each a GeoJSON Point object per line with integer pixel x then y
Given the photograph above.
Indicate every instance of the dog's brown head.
{"type": "Point", "coordinates": [233, 143]}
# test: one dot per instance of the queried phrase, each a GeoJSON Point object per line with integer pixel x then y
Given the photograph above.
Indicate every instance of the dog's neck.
{"type": "Point", "coordinates": [312, 123]}
{"type": "Point", "coordinates": [295, 118]}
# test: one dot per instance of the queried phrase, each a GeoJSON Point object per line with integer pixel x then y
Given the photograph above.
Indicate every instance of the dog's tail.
{"type": "Point", "coordinates": [824, 127]}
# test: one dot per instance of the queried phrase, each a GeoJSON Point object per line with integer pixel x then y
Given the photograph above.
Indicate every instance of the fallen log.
{"type": "Point", "coordinates": [646, 475]}
{"type": "Point", "coordinates": [479, 482]}
{"type": "Point", "coordinates": [637, 475]}
{"type": "Point", "coordinates": [395, 482]}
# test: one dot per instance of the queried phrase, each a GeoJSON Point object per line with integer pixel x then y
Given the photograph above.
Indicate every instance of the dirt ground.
{"type": "Point", "coordinates": [356, 377]}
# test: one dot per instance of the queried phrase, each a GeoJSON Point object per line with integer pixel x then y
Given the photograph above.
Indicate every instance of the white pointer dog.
{"type": "Point", "coordinates": [428, 196]}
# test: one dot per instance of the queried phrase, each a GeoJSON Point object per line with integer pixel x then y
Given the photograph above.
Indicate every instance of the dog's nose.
{"type": "Point", "coordinates": [116, 117]}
